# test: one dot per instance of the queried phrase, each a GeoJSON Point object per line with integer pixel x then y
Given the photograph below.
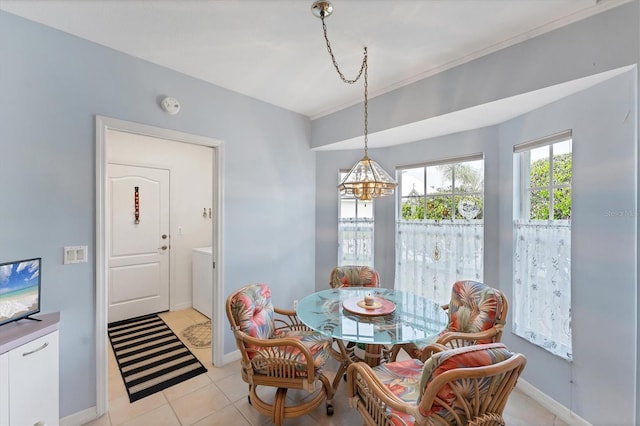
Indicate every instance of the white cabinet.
{"type": "Point", "coordinates": [202, 264]}
{"type": "Point", "coordinates": [4, 389]}
{"type": "Point", "coordinates": [29, 379]}
{"type": "Point", "coordinates": [33, 382]}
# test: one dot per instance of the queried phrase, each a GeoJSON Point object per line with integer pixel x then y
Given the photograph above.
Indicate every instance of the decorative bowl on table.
{"type": "Point", "coordinates": [372, 306]}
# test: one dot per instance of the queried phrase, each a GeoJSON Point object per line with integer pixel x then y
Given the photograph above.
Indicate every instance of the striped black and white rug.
{"type": "Point", "coordinates": [150, 356]}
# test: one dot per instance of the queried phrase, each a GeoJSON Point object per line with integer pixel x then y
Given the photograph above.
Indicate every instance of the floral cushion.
{"type": "Point", "coordinates": [317, 344]}
{"type": "Point", "coordinates": [468, 356]}
{"type": "Point", "coordinates": [253, 311]}
{"type": "Point", "coordinates": [402, 378]}
{"type": "Point", "coordinates": [473, 307]}
{"type": "Point", "coordinates": [354, 276]}
{"type": "Point", "coordinates": [408, 379]}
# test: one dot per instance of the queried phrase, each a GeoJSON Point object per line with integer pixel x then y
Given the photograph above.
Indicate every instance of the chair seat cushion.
{"type": "Point", "coordinates": [317, 344]}
{"type": "Point", "coordinates": [402, 378]}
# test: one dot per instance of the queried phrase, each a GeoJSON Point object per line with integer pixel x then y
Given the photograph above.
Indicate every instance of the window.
{"type": "Point", "coordinates": [355, 231]}
{"type": "Point", "coordinates": [440, 226]}
{"type": "Point", "coordinates": [542, 243]}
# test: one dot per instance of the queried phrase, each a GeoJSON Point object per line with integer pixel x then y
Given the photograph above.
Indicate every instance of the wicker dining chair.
{"type": "Point", "coordinates": [477, 314]}
{"type": "Point", "coordinates": [278, 351]}
{"type": "Point", "coordinates": [464, 386]}
{"type": "Point", "coordinates": [354, 276]}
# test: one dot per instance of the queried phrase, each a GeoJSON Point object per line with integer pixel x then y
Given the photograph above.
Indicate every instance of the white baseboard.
{"type": "Point", "coordinates": [180, 306]}
{"type": "Point", "coordinates": [550, 404]}
{"type": "Point", "coordinates": [80, 418]}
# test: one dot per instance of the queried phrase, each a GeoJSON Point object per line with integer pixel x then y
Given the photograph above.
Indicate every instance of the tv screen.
{"type": "Point", "coordinates": [19, 289]}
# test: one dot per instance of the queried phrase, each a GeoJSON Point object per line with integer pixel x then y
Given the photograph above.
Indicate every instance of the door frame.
{"type": "Point", "coordinates": [217, 341]}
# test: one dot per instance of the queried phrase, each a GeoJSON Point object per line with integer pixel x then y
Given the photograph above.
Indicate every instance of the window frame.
{"type": "Point", "coordinates": [449, 195]}
{"type": "Point", "coordinates": [525, 187]}
{"type": "Point", "coordinates": [431, 254]}
{"type": "Point", "coordinates": [555, 252]}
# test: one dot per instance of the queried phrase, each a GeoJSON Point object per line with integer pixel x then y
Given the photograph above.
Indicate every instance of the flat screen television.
{"type": "Point", "coordinates": [19, 289]}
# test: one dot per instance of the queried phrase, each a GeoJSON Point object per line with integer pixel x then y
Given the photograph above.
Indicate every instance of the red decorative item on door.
{"type": "Point", "coordinates": [136, 200]}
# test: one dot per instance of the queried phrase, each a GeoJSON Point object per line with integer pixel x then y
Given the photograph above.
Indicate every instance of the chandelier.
{"type": "Point", "coordinates": [366, 180]}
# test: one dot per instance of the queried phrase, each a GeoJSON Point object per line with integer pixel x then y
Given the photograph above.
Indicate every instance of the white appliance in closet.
{"type": "Point", "coordinates": [202, 276]}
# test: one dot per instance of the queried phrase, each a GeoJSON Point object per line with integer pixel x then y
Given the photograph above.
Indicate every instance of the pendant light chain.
{"type": "Point", "coordinates": [364, 68]}
{"type": "Point", "coordinates": [333, 58]}
{"type": "Point", "coordinates": [366, 180]}
{"type": "Point", "coordinates": [366, 104]}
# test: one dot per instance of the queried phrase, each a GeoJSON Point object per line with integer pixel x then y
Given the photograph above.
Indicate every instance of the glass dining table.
{"type": "Point", "coordinates": [394, 317]}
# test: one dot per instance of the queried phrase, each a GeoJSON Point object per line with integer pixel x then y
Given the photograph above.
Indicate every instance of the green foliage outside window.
{"type": "Point", "coordinates": [438, 207]}
{"type": "Point", "coordinates": [539, 199]}
{"type": "Point", "coordinates": [443, 203]}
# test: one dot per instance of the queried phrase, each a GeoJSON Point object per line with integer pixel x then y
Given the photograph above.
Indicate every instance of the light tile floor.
{"type": "Point", "coordinates": [219, 397]}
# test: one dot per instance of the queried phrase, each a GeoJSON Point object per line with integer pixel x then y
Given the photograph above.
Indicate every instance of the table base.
{"type": "Point", "coordinates": [374, 354]}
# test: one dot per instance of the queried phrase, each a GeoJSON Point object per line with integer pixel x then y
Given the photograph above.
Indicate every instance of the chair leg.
{"type": "Point", "coordinates": [395, 350]}
{"type": "Point", "coordinates": [278, 406]}
{"type": "Point", "coordinates": [329, 391]}
{"type": "Point", "coordinates": [341, 372]}
{"type": "Point", "coordinates": [278, 411]}
{"type": "Point", "coordinates": [345, 356]}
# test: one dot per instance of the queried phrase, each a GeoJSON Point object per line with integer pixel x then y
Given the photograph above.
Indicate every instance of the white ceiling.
{"type": "Point", "coordinates": [274, 50]}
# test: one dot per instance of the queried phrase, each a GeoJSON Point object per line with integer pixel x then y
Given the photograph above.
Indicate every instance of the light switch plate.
{"type": "Point", "coordinates": [75, 254]}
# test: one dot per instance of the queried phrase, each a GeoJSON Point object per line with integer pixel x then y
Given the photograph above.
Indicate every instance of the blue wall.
{"type": "Point", "coordinates": [601, 385]}
{"type": "Point", "coordinates": [604, 248]}
{"type": "Point", "coordinates": [53, 85]}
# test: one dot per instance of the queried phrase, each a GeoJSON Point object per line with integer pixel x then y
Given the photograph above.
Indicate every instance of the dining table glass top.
{"type": "Point", "coordinates": [336, 312]}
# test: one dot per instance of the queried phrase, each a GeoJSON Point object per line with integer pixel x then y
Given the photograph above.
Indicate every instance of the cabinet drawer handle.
{"type": "Point", "coordinates": [36, 350]}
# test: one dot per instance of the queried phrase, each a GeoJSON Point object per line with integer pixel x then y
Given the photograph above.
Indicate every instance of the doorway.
{"type": "Point", "coordinates": [106, 128]}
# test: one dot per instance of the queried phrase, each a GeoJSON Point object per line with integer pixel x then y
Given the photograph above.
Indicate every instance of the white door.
{"type": "Point", "coordinates": [138, 240]}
